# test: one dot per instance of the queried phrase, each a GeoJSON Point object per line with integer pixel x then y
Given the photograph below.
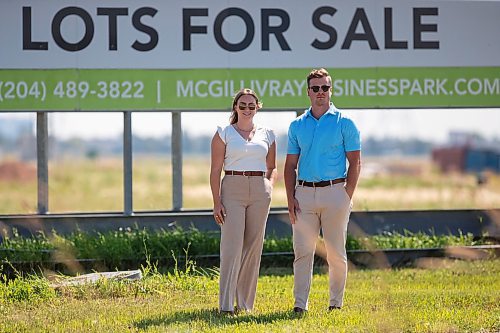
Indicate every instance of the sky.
{"type": "Point", "coordinates": [426, 124]}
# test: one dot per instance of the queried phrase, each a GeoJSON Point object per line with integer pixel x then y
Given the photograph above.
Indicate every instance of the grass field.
{"type": "Point", "coordinates": [96, 185]}
{"type": "Point", "coordinates": [438, 296]}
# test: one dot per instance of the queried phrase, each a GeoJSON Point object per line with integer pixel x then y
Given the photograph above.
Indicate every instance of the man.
{"type": "Point", "coordinates": [319, 143]}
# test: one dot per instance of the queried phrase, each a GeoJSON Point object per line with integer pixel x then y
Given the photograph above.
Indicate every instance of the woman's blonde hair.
{"type": "Point", "coordinates": [233, 118]}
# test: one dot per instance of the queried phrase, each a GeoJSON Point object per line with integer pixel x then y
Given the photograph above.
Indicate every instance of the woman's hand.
{"type": "Point", "coordinates": [219, 214]}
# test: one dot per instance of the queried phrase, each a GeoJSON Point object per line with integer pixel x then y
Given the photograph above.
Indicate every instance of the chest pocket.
{"type": "Point", "coordinates": [331, 141]}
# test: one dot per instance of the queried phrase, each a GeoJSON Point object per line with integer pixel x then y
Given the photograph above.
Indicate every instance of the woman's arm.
{"type": "Point", "coordinates": [271, 172]}
{"type": "Point", "coordinates": [218, 151]}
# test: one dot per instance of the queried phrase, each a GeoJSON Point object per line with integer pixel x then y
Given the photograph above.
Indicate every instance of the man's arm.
{"type": "Point", "coordinates": [290, 176]}
{"type": "Point", "coordinates": [354, 158]}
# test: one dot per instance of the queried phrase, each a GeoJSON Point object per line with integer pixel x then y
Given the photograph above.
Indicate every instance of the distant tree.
{"type": "Point", "coordinates": [92, 154]}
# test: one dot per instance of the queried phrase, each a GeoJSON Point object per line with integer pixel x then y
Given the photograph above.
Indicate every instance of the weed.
{"type": "Point", "coordinates": [31, 288]}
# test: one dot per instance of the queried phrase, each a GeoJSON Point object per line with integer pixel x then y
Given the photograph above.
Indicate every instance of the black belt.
{"type": "Point", "coordinates": [245, 173]}
{"type": "Point", "coordinates": [321, 183]}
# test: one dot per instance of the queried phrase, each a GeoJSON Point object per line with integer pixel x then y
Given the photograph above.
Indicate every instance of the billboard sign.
{"type": "Point", "coordinates": [178, 55]}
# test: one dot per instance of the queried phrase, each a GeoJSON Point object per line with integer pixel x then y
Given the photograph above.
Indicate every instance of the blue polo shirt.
{"type": "Point", "coordinates": [322, 144]}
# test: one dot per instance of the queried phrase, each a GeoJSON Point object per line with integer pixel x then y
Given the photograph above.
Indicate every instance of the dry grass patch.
{"type": "Point", "coordinates": [97, 185]}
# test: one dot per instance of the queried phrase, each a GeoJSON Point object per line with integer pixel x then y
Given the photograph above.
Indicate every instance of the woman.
{"type": "Point", "coordinates": [247, 152]}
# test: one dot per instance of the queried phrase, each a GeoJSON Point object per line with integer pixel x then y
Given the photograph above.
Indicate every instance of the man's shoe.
{"type": "Point", "coordinates": [333, 307]}
{"type": "Point", "coordinates": [299, 310]}
{"type": "Point", "coordinates": [227, 313]}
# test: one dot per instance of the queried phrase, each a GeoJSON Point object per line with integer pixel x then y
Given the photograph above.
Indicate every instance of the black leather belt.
{"type": "Point", "coordinates": [245, 173]}
{"type": "Point", "coordinates": [321, 183]}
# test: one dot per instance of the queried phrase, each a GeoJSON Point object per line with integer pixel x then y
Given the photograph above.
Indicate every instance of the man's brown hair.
{"type": "Point", "coordinates": [316, 74]}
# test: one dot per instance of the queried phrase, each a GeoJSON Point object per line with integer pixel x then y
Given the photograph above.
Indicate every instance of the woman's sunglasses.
{"type": "Point", "coordinates": [325, 88]}
{"type": "Point", "coordinates": [244, 107]}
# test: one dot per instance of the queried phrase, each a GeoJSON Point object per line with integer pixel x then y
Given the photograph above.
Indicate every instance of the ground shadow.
{"type": "Point", "coordinates": [213, 317]}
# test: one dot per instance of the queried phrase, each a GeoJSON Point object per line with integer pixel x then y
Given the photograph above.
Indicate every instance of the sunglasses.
{"type": "Point", "coordinates": [325, 88]}
{"type": "Point", "coordinates": [244, 107]}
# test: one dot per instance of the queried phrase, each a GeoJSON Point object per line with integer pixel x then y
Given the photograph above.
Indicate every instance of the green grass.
{"type": "Point", "coordinates": [445, 296]}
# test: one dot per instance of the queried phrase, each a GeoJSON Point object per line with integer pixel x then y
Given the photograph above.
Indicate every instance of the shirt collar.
{"type": "Point", "coordinates": [331, 110]}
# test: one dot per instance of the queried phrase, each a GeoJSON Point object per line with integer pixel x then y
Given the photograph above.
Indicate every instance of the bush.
{"type": "Point", "coordinates": [134, 244]}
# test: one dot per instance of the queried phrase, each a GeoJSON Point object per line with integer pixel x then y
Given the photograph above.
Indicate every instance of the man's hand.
{"type": "Point", "coordinates": [354, 158]}
{"type": "Point", "coordinates": [293, 209]}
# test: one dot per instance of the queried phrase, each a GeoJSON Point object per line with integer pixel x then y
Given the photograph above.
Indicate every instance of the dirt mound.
{"type": "Point", "coordinates": [17, 171]}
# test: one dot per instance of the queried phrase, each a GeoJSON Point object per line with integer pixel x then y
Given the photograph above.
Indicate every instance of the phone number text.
{"type": "Point", "coordinates": [10, 90]}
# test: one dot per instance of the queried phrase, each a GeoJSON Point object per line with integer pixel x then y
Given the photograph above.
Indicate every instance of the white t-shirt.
{"type": "Point", "coordinates": [242, 155]}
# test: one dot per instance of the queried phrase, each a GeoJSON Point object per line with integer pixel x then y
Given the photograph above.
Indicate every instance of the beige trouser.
{"type": "Point", "coordinates": [247, 201]}
{"type": "Point", "coordinates": [327, 208]}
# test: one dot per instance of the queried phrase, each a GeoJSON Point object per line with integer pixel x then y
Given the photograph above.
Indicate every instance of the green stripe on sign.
{"type": "Point", "coordinates": [199, 89]}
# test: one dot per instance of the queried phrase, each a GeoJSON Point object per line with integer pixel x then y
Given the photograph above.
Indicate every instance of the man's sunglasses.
{"type": "Point", "coordinates": [244, 107]}
{"type": "Point", "coordinates": [325, 88]}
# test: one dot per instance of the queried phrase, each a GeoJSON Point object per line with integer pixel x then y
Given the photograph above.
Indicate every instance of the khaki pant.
{"type": "Point", "coordinates": [327, 208]}
{"type": "Point", "coordinates": [247, 201]}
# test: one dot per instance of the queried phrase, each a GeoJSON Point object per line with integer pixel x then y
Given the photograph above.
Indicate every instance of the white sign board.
{"type": "Point", "coordinates": [118, 55]}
